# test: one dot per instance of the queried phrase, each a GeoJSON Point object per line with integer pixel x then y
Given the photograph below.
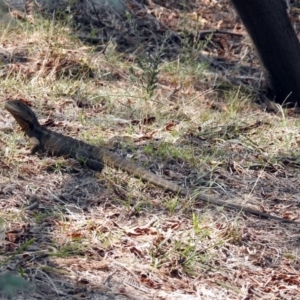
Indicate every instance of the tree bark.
{"type": "Point", "coordinates": [271, 31]}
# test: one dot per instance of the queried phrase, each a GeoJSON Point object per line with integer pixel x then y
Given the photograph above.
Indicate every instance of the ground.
{"type": "Point", "coordinates": [178, 90]}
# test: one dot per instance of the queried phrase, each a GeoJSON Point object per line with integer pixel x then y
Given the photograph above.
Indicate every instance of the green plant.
{"type": "Point", "coordinates": [148, 64]}
{"type": "Point", "coordinates": [10, 284]}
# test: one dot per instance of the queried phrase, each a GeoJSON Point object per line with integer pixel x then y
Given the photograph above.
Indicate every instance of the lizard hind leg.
{"type": "Point", "coordinates": [83, 157]}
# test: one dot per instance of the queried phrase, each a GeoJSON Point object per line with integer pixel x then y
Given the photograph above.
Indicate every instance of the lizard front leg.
{"type": "Point", "coordinates": [36, 145]}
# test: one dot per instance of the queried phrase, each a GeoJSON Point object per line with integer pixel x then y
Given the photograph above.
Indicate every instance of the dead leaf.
{"type": "Point", "coordinates": [170, 126]}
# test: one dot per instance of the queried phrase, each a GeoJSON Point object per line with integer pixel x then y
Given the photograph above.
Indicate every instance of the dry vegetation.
{"type": "Point", "coordinates": [185, 108]}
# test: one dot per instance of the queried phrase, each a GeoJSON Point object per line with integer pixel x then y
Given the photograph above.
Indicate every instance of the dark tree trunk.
{"type": "Point", "coordinates": [271, 31]}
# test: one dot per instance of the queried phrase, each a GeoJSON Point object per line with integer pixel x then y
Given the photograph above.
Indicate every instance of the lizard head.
{"type": "Point", "coordinates": [22, 113]}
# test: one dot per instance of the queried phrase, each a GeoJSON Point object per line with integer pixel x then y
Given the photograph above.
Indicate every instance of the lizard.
{"type": "Point", "coordinates": [94, 157]}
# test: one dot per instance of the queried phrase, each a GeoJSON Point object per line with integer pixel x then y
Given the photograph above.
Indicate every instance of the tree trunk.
{"type": "Point", "coordinates": [271, 31]}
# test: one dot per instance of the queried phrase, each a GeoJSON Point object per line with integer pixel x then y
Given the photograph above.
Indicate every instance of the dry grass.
{"type": "Point", "coordinates": [109, 235]}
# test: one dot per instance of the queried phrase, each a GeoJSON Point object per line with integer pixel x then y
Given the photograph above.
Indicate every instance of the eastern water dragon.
{"type": "Point", "coordinates": [55, 144]}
